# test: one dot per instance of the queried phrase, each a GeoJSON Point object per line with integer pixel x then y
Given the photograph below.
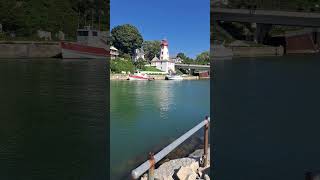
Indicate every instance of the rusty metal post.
{"type": "Point", "coordinates": [152, 166]}
{"type": "Point", "coordinates": [206, 143]}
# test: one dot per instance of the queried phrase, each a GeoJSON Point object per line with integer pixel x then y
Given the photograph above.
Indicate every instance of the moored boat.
{"type": "Point", "coordinates": [91, 44]}
{"type": "Point", "coordinates": [173, 77]}
{"type": "Point", "coordinates": [78, 51]}
{"type": "Point", "coordinates": [139, 76]}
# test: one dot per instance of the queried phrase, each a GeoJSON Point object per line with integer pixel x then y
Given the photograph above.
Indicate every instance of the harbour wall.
{"type": "Point", "coordinates": [29, 49]}
{"type": "Point", "coordinates": [242, 51]}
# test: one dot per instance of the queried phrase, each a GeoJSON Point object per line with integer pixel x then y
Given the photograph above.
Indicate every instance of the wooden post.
{"type": "Point", "coordinates": [206, 143]}
{"type": "Point", "coordinates": [152, 167]}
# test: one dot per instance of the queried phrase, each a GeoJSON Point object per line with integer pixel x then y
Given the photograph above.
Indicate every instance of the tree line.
{"type": "Point", "coordinates": [25, 17]}
{"type": "Point", "coordinates": [126, 38]}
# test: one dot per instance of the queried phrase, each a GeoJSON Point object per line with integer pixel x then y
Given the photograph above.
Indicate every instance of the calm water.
{"type": "Point", "coordinates": [146, 114]}
{"type": "Point", "coordinates": [53, 119]}
{"type": "Point", "coordinates": [267, 118]}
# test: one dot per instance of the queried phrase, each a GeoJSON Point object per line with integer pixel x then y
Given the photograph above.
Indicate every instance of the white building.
{"type": "Point", "coordinates": [113, 52]}
{"type": "Point", "coordinates": [177, 60]}
{"type": "Point", "coordinates": [163, 65]}
{"type": "Point", "coordinates": [138, 54]}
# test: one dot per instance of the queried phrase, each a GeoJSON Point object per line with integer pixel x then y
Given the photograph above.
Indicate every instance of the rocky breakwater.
{"type": "Point", "coordinates": [187, 168]}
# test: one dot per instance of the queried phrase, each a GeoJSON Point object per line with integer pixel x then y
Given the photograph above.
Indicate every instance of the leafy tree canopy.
{"type": "Point", "coordinates": [126, 38]}
{"type": "Point", "coordinates": [186, 60]}
{"type": "Point", "coordinates": [203, 58]}
{"type": "Point", "coordinates": [25, 17]}
{"type": "Point", "coordinates": [151, 49]}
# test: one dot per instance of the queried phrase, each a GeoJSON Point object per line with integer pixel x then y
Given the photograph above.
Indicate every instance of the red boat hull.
{"type": "Point", "coordinates": [78, 51]}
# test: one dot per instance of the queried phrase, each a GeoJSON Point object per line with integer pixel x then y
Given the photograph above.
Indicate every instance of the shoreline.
{"type": "Point", "coordinates": [124, 77]}
{"type": "Point", "coordinates": [50, 49]}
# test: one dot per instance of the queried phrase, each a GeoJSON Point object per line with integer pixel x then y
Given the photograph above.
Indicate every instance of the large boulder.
{"type": "Point", "coordinates": [169, 168]}
{"type": "Point", "coordinates": [186, 173]}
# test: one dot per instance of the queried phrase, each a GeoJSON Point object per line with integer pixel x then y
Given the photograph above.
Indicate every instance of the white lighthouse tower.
{"type": "Point", "coordinates": [164, 53]}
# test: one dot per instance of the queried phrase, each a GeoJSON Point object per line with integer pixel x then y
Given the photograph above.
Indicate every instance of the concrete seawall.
{"type": "Point", "coordinates": [257, 51]}
{"type": "Point", "coordinates": [29, 49]}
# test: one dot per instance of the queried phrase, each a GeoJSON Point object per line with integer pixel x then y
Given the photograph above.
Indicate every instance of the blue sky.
{"type": "Point", "coordinates": [185, 23]}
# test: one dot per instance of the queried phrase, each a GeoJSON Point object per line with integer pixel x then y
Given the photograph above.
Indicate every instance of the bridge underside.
{"type": "Point", "coordinates": [266, 17]}
{"type": "Point", "coordinates": [193, 69]}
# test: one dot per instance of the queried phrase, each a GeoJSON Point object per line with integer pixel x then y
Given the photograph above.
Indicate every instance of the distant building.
{"type": "Point", "coordinates": [114, 53]}
{"type": "Point", "coordinates": [176, 60]}
{"type": "Point", "coordinates": [44, 35]}
{"type": "Point", "coordinates": [138, 54]}
{"type": "Point", "coordinates": [163, 65]}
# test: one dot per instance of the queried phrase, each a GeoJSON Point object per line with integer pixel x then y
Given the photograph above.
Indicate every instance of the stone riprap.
{"type": "Point", "coordinates": [186, 168]}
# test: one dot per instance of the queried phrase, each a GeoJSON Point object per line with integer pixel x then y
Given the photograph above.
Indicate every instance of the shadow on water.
{"type": "Point", "coordinates": [266, 117]}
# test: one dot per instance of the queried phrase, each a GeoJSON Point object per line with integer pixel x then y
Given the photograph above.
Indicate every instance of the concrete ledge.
{"type": "Point", "coordinates": [27, 50]}
{"type": "Point", "coordinates": [241, 51]}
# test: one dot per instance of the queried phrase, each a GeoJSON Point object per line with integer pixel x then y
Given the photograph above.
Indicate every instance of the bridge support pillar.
{"type": "Point", "coordinates": [262, 31]}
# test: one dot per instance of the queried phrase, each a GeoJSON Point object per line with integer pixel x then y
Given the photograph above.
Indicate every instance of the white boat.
{"type": "Point", "coordinates": [91, 44]}
{"type": "Point", "coordinates": [173, 77]}
{"type": "Point", "coordinates": [139, 76]}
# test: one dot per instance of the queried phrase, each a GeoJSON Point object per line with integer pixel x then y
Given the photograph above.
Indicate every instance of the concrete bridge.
{"type": "Point", "coordinates": [266, 18]}
{"type": "Point", "coordinates": [305, 19]}
{"type": "Point", "coordinates": [193, 68]}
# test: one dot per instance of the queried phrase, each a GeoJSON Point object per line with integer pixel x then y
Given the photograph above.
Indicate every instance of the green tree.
{"type": "Point", "coordinates": [126, 38]}
{"type": "Point", "coordinates": [119, 65]}
{"type": "Point", "coordinates": [25, 17]}
{"type": "Point", "coordinates": [203, 58]}
{"type": "Point", "coordinates": [126, 56]}
{"type": "Point", "coordinates": [140, 64]}
{"type": "Point", "coordinates": [151, 49]}
{"type": "Point", "coordinates": [186, 60]}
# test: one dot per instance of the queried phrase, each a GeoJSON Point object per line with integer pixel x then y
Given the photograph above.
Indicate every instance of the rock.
{"type": "Point", "coordinates": [192, 176]}
{"type": "Point", "coordinates": [200, 173]}
{"type": "Point", "coordinates": [168, 169]}
{"type": "Point", "coordinates": [206, 177]}
{"type": "Point", "coordinates": [144, 177]}
{"type": "Point", "coordinates": [198, 153]}
{"type": "Point", "coordinates": [185, 172]}
{"type": "Point", "coordinates": [194, 166]}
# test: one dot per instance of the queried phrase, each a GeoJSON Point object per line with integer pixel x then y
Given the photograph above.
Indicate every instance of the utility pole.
{"type": "Point", "coordinates": [92, 18]}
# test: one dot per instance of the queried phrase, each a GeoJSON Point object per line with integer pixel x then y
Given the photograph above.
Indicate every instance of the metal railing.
{"type": "Point", "coordinates": [153, 159]}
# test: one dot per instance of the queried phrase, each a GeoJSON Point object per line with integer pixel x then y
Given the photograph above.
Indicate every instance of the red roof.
{"type": "Point", "coordinates": [164, 42]}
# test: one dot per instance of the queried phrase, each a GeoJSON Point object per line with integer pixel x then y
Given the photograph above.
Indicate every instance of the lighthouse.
{"type": "Point", "coordinates": [164, 53]}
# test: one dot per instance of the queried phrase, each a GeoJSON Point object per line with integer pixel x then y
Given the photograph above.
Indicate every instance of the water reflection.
{"type": "Point", "coordinates": [148, 114]}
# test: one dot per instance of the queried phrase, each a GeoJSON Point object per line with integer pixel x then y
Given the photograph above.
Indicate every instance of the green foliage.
{"type": "Point", "coordinates": [25, 17]}
{"type": "Point", "coordinates": [203, 58]}
{"type": "Point", "coordinates": [140, 64]}
{"type": "Point", "coordinates": [186, 60]}
{"type": "Point", "coordinates": [125, 56]}
{"type": "Point", "coordinates": [126, 38]}
{"type": "Point", "coordinates": [119, 65]}
{"type": "Point", "coordinates": [151, 68]}
{"type": "Point", "coordinates": [293, 5]}
{"type": "Point", "coordinates": [151, 49]}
